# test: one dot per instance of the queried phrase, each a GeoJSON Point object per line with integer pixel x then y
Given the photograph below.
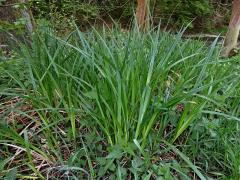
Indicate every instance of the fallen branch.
{"type": "Point", "coordinates": [203, 36]}
{"type": "Point", "coordinates": [3, 46]}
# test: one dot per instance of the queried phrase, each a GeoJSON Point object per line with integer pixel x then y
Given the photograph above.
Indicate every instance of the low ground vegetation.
{"type": "Point", "coordinates": [119, 105]}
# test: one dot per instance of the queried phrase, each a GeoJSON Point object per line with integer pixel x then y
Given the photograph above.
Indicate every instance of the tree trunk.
{"type": "Point", "coordinates": [142, 14]}
{"type": "Point", "coordinates": [233, 30]}
{"type": "Point", "coordinates": [27, 15]}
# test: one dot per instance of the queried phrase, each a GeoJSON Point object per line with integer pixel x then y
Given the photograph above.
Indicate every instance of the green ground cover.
{"type": "Point", "coordinates": [119, 105]}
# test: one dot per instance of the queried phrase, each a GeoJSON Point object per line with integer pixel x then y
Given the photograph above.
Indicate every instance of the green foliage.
{"type": "Point", "coordinates": [18, 26]}
{"type": "Point", "coordinates": [198, 14]}
{"type": "Point", "coordinates": [184, 12]}
{"type": "Point", "coordinates": [62, 13]}
{"type": "Point", "coordinates": [2, 1]}
{"type": "Point", "coordinates": [221, 138]}
{"type": "Point", "coordinates": [112, 104]}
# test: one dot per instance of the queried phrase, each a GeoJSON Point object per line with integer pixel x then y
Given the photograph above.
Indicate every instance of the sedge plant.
{"type": "Point", "coordinates": [131, 86]}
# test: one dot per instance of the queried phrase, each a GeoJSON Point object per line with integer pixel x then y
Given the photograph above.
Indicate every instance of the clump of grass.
{"type": "Point", "coordinates": [133, 89]}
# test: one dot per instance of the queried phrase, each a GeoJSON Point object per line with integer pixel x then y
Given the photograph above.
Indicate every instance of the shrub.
{"type": "Point", "coordinates": [184, 12]}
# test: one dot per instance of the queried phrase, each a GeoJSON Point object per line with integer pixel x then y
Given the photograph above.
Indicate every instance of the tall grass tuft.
{"type": "Point", "coordinates": [126, 82]}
